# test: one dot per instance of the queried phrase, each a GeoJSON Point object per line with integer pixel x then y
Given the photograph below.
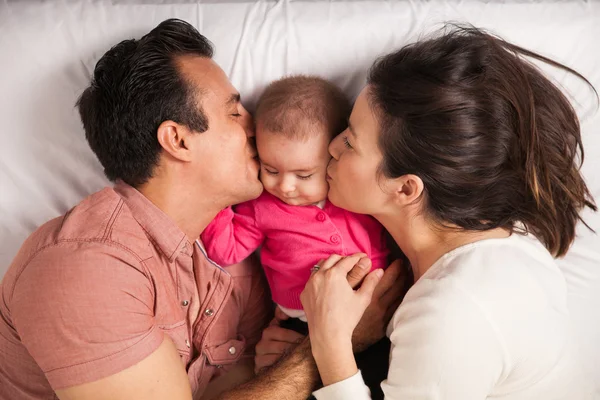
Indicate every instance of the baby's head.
{"type": "Point", "coordinates": [296, 118]}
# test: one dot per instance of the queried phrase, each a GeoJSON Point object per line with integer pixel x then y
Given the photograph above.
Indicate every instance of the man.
{"type": "Point", "coordinates": [116, 299]}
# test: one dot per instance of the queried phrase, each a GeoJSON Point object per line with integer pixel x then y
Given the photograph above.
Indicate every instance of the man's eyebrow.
{"type": "Point", "coordinates": [234, 98]}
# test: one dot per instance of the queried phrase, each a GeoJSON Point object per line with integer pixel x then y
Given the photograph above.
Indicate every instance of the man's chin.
{"type": "Point", "coordinates": [257, 190]}
{"type": "Point", "coordinates": [250, 191]}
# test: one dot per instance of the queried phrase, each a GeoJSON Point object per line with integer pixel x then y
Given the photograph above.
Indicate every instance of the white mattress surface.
{"type": "Point", "coordinates": [48, 50]}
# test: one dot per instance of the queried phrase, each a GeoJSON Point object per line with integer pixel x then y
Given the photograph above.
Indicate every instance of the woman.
{"type": "Point", "coordinates": [467, 155]}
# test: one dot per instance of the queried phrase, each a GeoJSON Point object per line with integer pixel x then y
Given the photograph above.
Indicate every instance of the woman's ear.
{"type": "Point", "coordinates": [407, 189]}
{"type": "Point", "coordinates": [175, 139]}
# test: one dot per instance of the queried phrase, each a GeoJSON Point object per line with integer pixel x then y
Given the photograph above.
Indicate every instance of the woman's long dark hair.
{"type": "Point", "coordinates": [494, 141]}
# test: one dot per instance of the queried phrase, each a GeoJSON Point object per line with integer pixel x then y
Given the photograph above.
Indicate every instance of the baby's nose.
{"type": "Point", "coordinates": [286, 186]}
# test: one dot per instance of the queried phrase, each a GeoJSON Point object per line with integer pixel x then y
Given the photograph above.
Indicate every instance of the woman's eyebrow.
{"type": "Point", "coordinates": [351, 129]}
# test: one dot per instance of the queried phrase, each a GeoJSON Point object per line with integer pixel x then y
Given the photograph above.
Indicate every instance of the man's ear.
{"type": "Point", "coordinates": [175, 139]}
{"type": "Point", "coordinates": [407, 189]}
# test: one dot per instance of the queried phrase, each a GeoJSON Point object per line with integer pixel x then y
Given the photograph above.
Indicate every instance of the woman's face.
{"type": "Point", "coordinates": [354, 183]}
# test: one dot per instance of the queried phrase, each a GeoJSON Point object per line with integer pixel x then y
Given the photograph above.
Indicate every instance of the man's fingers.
{"type": "Point", "coordinates": [389, 279]}
{"type": "Point", "coordinates": [273, 347]}
{"type": "Point", "coordinates": [280, 334]}
{"type": "Point", "coordinates": [391, 309]}
{"type": "Point", "coordinates": [280, 315]}
{"type": "Point", "coordinates": [397, 290]}
{"type": "Point", "coordinates": [370, 283]}
{"type": "Point", "coordinates": [359, 271]}
{"type": "Point", "coordinates": [265, 361]}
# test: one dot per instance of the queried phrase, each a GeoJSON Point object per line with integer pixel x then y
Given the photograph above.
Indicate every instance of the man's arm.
{"type": "Point", "coordinates": [161, 375]}
{"type": "Point", "coordinates": [84, 311]}
{"type": "Point", "coordinates": [295, 376]}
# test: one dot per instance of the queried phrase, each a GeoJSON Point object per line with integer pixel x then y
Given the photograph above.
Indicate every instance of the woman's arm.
{"type": "Point", "coordinates": [333, 310]}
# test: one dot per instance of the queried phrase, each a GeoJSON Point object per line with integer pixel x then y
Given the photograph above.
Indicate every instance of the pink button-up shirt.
{"type": "Point", "coordinates": [293, 239]}
{"type": "Point", "coordinates": [94, 292]}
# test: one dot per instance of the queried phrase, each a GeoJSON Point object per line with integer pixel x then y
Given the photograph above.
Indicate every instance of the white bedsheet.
{"type": "Point", "coordinates": [48, 49]}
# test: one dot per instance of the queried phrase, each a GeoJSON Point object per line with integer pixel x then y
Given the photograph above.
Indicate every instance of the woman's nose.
{"type": "Point", "coordinates": [334, 147]}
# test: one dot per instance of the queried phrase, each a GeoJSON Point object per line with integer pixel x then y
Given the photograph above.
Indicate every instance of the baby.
{"type": "Point", "coordinates": [292, 220]}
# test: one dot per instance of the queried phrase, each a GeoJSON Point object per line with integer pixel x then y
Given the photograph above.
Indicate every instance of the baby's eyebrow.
{"type": "Point", "coordinates": [305, 169]}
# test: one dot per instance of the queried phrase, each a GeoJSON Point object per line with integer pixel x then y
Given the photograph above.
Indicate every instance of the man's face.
{"type": "Point", "coordinates": [224, 156]}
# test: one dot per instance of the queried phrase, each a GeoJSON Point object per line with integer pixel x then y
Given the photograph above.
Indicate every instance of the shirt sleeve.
{"type": "Point", "coordinates": [84, 311]}
{"type": "Point", "coordinates": [444, 346]}
{"type": "Point", "coordinates": [350, 388]}
{"type": "Point", "coordinates": [232, 236]}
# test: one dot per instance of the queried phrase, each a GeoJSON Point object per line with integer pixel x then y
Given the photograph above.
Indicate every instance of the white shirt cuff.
{"type": "Point", "coordinates": [351, 388]}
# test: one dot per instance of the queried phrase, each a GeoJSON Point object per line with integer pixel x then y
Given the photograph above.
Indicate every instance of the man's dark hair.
{"type": "Point", "coordinates": [136, 86]}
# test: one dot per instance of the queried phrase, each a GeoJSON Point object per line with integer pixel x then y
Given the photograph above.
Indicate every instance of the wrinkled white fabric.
{"type": "Point", "coordinates": [48, 50]}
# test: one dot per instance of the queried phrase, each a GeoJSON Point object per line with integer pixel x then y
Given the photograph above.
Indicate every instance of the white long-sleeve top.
{"type": "Point", "coordinates": [488, 320]}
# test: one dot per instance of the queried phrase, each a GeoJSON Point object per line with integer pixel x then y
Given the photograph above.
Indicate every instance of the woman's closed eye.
{"type": "Point", "coordinates": [346, 142]}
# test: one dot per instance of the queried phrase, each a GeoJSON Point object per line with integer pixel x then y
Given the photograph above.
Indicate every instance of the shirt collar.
{"type": "Point", "coordinates": [162, 230]}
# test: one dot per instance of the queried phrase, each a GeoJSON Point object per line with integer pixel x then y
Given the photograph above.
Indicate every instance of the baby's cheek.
{"type": "Point", "coordinates": [264, 178]}
{"type": "Point", "coordinates": [321, 189]}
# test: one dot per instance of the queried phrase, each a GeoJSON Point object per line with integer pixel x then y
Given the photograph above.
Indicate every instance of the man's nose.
{"type": "Point", "coordinates": [248, 123]}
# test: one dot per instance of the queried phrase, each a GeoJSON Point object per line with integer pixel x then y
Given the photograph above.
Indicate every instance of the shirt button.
{"type": "Point", "coordinates": [185, 303]}
{"type": "Point", "coordinates": [187, 343]}
{"type": "Point", "coordinates": [321, 216]}
{"type": "Point", "coordinates": [335, 239]}
{"type": "Point", "coordinates": [232, 350]}
{"type": "Point", "coordinates": [209, 312]}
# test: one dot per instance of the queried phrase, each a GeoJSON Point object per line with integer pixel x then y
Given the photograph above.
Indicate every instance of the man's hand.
{"type": "Point", "coordinates": [293, 377]}
{"type": "Point", "coordinates": [275, 342]}
{"type": "Point", "coordinates": [386, 298]}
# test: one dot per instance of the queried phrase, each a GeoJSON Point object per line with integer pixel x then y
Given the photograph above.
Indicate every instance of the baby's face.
{"type": "Point", "coordinates": [294, 170]}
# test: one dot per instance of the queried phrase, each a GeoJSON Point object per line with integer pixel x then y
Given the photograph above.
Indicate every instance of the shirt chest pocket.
{"type": "Point", "coordinates": [179, 334]}
{"type": "Point", "coordinates": [226, 353]}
